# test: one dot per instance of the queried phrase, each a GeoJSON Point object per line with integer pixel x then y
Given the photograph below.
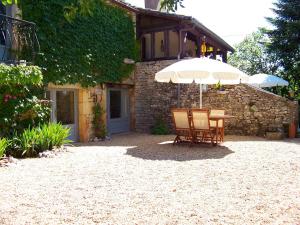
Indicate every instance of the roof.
{"type": "Point", "coordinates": [190, 19]}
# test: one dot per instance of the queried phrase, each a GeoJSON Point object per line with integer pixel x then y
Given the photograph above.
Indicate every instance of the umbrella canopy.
{"type": "Point", "coordinates": [201, 71]}
{"type": "Point", "coordinates": [264, 80]}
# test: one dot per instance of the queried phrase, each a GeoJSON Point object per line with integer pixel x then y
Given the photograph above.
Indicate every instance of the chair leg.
{"type": "Point", "coordinates": [223, 133]}
{"type": "Point", "coordinates": [176, 140]}
{"type": "Point", "coordinates": [211, 138]}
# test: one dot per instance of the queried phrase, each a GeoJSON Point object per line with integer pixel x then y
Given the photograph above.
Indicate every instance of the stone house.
{"type": "Point", "coordinates": [163, 36]}
{"type": "Point", "coordinates": [134, 104]}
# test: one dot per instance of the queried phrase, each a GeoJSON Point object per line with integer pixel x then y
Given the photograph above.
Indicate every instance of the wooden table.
{"type": "Point", "coordinates": [217, 118]}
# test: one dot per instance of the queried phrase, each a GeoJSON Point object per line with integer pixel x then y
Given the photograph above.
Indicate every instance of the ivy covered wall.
{"type": "Point", "coordinates": [77, 47]}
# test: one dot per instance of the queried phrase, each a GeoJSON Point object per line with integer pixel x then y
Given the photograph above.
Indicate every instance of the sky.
{"type": "Point", "coordinates": [232, 20]}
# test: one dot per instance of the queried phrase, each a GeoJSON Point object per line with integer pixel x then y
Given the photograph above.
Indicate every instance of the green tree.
{"type": "Point", "coordinates": [9, 2]}
{"type": "Point", "coordinates": [252, 55]}
{"type": "Point", "coordinates": [172, 5]}
{"type": "Point", "coordinates": [285, 40]}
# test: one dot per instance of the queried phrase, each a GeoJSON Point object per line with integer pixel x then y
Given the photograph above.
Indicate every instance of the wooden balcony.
{"type": "Point", "coordinates": [170, 36]}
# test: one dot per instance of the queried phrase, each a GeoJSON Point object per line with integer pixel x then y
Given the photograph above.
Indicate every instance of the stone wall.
{"type": "Point", "coordinates": [256, 111]}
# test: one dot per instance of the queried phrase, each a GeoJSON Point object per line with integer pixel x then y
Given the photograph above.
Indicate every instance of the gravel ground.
{"type": "Point", "coordinates": [143, 179]}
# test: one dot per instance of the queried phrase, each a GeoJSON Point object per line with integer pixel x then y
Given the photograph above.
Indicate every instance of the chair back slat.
{"type": "Point", "coordinates": [200, 119]}
{"type": "Point", "coordinates": [181, 118]}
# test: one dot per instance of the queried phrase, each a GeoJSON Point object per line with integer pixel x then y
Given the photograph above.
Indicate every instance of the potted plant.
{"type": "Point", "coordinates": [220, 88]}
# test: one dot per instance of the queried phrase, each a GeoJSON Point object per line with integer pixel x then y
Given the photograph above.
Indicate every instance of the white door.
{"type": "Point", "coordinates": [64, 110]}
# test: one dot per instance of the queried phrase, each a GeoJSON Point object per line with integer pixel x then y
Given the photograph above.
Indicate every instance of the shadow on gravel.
{"type": "Point", "coordinates": [151, 147]}
{"type": "Point", "coordinates": [179, 153]}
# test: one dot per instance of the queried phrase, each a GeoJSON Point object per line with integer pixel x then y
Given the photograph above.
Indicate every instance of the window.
{"type": "Point", "coordinates": [65, 107]}
{"type": "Point", "coordinates": [160, 45]}
{"type": "Point", "coordinates": [146, 46]}
{"type": "Point", "coordinates": [174, 44]}
{"type": "Point", "coordinates": [115, 104]}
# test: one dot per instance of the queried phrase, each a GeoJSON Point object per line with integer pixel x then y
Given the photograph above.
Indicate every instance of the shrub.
{"type": "Point", "coordinates": [98, 123]}
{"type": "Point", "coordinates": [4, 143]}
{"type": "Point", "coordinates": [160, 127]}
{"type": "Point", "coordinates": [53, 135]}
{"type": "Point", "coordinates": [20, 93]}
{"type": "Point", "coordinates": [28, 140]}
{"type": "Point", "coordinates": [38, 139]}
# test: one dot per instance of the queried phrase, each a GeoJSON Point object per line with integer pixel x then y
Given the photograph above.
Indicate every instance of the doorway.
{"type": "Point", "coordinates": [64, 110]}
{"type": "Point", "coordinates": [118, 110]}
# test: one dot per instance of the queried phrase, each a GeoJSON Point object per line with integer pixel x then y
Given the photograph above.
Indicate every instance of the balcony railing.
{"type": "Point", "coordinates": [18, 41]}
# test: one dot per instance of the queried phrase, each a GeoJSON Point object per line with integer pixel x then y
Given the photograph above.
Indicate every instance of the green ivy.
{"type": "Point", "coordinates": [85, 48]}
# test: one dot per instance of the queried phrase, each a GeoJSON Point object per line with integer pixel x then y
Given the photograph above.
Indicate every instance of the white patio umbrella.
{"type": "Point", "coordinates": [265, 80]}
{"type": "Point", "coordinates": [201, 71]}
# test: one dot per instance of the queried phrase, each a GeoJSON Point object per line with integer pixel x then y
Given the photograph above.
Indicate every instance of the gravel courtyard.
{"type": "Point", "coordinates": [143, 179]}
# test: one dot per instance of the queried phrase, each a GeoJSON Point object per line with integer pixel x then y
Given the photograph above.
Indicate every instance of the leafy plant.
{"type": "Point", "coordinates": [20, 75]}
{"type": "Point", "coordinates": [171, 5]}
{"type": "Point", "coordinates": [98, 123]}
{"type": "Point", "coordinates": [9, 2]}
{"type": "Point", "coordinates": [20, 93]}
{"type": "Point", "coordinates": [38, 139]}
{"type": "Point", "coordinates": [219, 86]}
{"type": "Point", "coordinates": [160, 127]}
{"type": "Point", "coordinates": [4, 144]}
{"type": "Point", "coordinates": [28, 141]}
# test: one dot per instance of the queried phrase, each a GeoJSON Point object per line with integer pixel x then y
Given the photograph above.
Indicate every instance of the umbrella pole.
{"type": "Point", "coordinates": [178, 95]}
{"type": "Point", "coordinates": [200, 103]}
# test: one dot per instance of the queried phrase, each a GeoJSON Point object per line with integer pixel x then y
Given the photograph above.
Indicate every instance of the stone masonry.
{"type": "Point", "coordinates": [256, 111]}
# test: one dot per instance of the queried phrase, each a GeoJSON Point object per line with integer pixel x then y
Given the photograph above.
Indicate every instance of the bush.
{"type": "Point", "coordinates": [20, 93]}
{"type": "Point", "coordinates": [98, 123]}
{"type": "Point", "coordinates": [4, 143]}
{"type": "Point", "coordinates": [160, 127]}
{"type": "Point", "coordinates": [38, 139]}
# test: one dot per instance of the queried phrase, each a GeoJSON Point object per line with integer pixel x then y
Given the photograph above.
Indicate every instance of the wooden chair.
{"type": "Point", "coordinates": [220, 123]}
{"type": "Point", "coordinates": [202, 131]}
{"type": "Point", "coordinates": [182, 125]}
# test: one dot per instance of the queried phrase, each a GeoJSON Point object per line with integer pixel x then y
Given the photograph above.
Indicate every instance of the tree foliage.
{"type": "Point", "coordinates": [82, 41]}
{"type": "Point", "coordinates": [285, 39]}
{"type": "Point", "coordinates": [252, 55]}
{"type": "Point", "coordinates": [172, 5]}
{"type": "Point", "coordinates": [9, 2]}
